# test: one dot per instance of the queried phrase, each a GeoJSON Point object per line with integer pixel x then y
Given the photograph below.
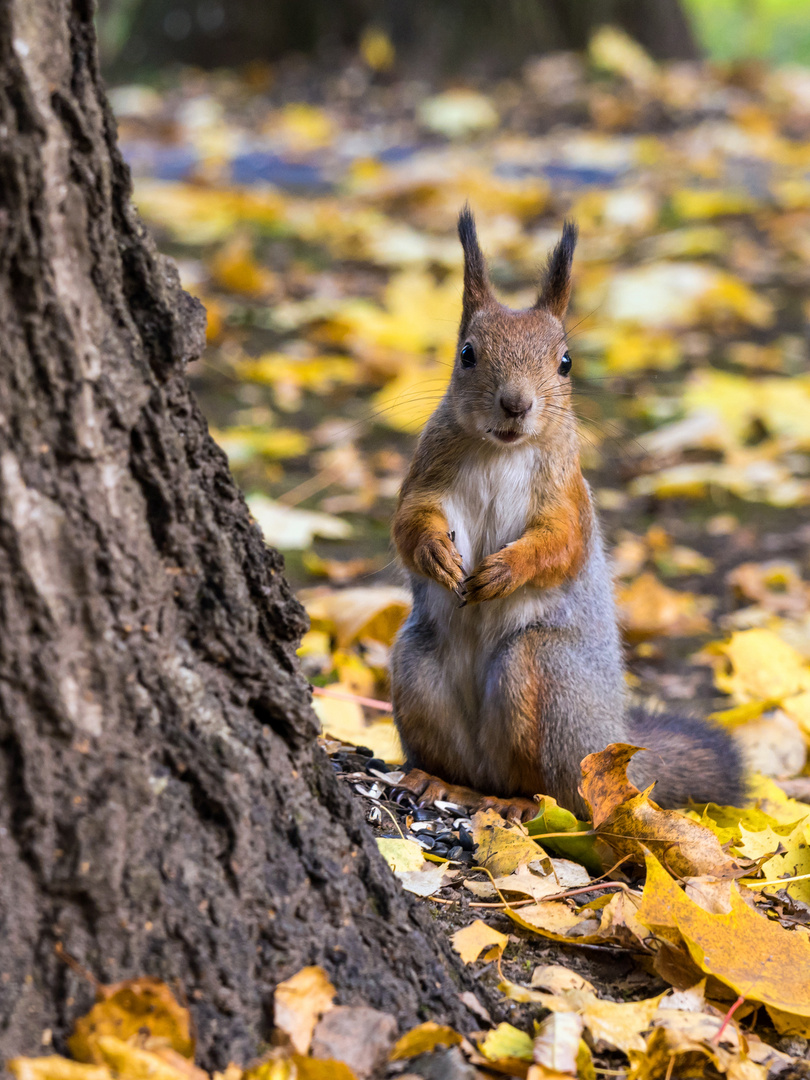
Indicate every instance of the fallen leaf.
{"type": "Point", "coordinates": [629, 348]}
{"type": "Point", "coordinates": [345, 720]}
{"type": "Point", "coordinates": [568, 874]}
{"type": "Point", "coordinates": [630, 822]}
{"type": "Point", "coordinates": [356, 1035]}
{"type": "Point", "coordinates": [54, 1067]}
{"type": "Point", "coordinates": [756, 957]}
{"type": "Point", "coordinates": [408, 400]}
{"type": "Point", "coordinates": [771, 799]}
{"type": "Point", "coordinates": [556, 978]}
{"type": "Point", "coordinates": [303, 126]}
{"type": "Point", "coordinates": [351, 614]}
{"type": "Point", "coordinates": [556, 1042]}
{"type": "Point", "coordinates": [740, 402]}
{"type": "Point", "coordinates": [242, 444]}
{"type": "Point", "coordinates": [506, 1043]}
{"type": "Point", "coordinates": [458, 113]}
{"type": "Point", "coordinates": [425, 881]}
{"type": "Point", "coordinates": [611, 49]}
{"type": "Point", "coordinates": [552, 818]}
{"type": "Point", "coordinates": [131, 1061]}
{"type": "Point", "coordinates": [307, 1068]}
{"type": "Point", "coordinates": [498, 848]}
{"type": "Point", "coordinates": [299, 1002]}
{"type": "Point", "coordinates": [194, 214]}
{"type": "Point", "coordinates": [686, 1054]}
{"type": "Point", "coordinates": [340, 571]}
{"type": "Point", "coordinates": [401, 855]}
{"type": "Point", "coordinates": [775, 742]}
{"type": "Point", "coordinates": [278, 1064]}
{"type": "Point", "coordinates": [761, 666]}
{"type": "Point", "coordinates": [292, 529]}
{"type": "Point", "coordinates": [699, 203]}
{"type": "Point", "coordinates": [672, 295]}
{"type": "Point", "coordinates": [616, 1024]}
{"type": "Point", "coordinates": [554, 919]}
{"type": "Point", "coordinates": [471, 941]}
{"type": "Point", "coordinates": [747, 473]}
{"type": "Point", "coordinates": [127, 1009]}
{"type": "Point", "coordinates": [421, 1040]}
{"type": "Point", "coordinates": [235, 268]}
{"type": "Point", "coordinates": [525, 883]}
{"type": "Point", "coordinates": [789, 857]}
{"type": "Point", "coordinates": [648, 608]}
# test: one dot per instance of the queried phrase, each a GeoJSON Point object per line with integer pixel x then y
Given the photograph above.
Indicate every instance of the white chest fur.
{"type": "Point", "coordinates": [488, 505]}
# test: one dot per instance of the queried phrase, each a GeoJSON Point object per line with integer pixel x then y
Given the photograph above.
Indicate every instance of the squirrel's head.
{"type": "Point", "coordinates": [510, 380]}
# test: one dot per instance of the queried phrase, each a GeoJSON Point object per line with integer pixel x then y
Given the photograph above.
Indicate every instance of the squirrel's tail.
{"type": "Point", "coordinates": [689, 759]}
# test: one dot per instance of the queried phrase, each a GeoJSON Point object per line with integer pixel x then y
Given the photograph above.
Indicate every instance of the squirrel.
{"type": "Point", "coordinates": [509, 669]}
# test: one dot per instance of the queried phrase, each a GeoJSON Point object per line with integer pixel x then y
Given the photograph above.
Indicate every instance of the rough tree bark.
{"type": "Point", "coordinates": [163, 806]}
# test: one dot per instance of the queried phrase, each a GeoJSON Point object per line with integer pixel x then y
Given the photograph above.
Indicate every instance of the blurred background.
{"type": "Point", "coordinates": [304, 164]}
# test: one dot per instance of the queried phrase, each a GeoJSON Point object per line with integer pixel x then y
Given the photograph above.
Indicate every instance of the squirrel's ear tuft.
{"type": "Point", "coordinates": [555, 291]}
{"type": "Point", "coordinates": [476, 282]}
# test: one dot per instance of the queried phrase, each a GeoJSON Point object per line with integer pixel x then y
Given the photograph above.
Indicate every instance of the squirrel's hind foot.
{"type": "Point", "coordinates": [427, 789]}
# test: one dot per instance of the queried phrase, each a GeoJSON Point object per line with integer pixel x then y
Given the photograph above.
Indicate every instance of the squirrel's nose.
{"type": "Point", "coordinates": [516, 405]}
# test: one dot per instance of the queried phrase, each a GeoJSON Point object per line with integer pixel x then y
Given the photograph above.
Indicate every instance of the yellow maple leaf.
{"type": "Point", "coordinates": [648, 608]}
{"type": "Point", "coordinates": [753, 955]}
{"type": "Point", "coordinates": [790, 857]}
{"type": "Point", "coordinates": [761, 667]}
{"type": "Point", "coordinates": [506, 1042]}
{"type": "Point", "coordinates": [423, 1039]}
{"type": "Point", "coordinates": [127, 1009]}
{"type": "Point", "coordinates": [470, 941]}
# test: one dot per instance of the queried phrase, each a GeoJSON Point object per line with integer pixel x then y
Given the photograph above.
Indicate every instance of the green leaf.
{"type": "Point", "coordinates": [554, 819]}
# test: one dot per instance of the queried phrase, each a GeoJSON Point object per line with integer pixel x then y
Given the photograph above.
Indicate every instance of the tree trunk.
{"type": "Point", "coordinates": [164, 808]}
{"type": "Point", "coordinates": [432, 37]}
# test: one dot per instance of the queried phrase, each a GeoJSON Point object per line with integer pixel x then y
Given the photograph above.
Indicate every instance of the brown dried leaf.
{"type": "Point", "coordinates": [630, 822]}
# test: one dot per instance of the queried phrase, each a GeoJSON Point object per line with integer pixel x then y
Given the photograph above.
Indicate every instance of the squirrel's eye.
{"type": "Point", "coordinates": [468, 356]}
{"type": "Point", "coordinates": [565, 365]}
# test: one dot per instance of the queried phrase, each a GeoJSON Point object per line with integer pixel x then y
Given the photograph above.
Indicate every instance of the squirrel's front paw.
{"type": "Point", "coordinates": [491, 579]}
{"type": "Point", "coordinates": [436, 557]}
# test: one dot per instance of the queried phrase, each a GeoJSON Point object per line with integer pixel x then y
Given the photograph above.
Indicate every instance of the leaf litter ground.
{"type": "Point", "coordinates": [314, 217]}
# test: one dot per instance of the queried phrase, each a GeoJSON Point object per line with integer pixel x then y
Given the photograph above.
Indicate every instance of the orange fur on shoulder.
{"type": "Point", "coordinates": [558, 543]}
